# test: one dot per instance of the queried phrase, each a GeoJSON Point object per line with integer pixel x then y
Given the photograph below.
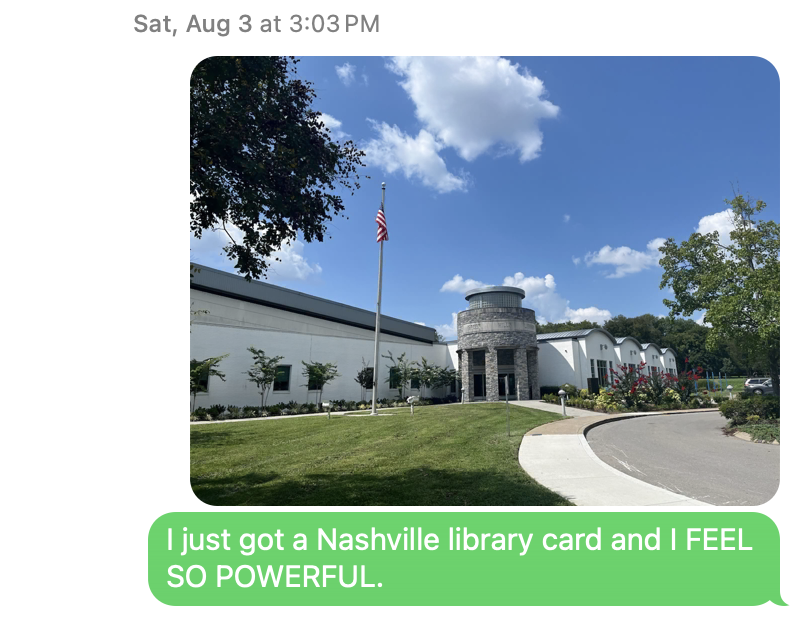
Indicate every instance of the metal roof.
{"type": "Point", "coordinates": [233, 286]}
{"type": "Point", "coordinates": [646, 345]}
{"type": "Point", "coordinates": [495, 289]}
{"type": "Point", "coordinates": [664, 351]}
{"type": "Point", "coordinates": [620, 340]}
{"type": "Point", "coordinates": [568, 334]}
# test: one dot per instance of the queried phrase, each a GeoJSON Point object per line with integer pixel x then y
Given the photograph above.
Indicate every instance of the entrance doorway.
{"type": "Point", "coordinates": [479, 386]}
{"type": "Point", "coordinates": [511, 385]}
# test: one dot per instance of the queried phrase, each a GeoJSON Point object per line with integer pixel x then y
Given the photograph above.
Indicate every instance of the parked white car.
{"type": "Point", "coordinates": [750, 382]}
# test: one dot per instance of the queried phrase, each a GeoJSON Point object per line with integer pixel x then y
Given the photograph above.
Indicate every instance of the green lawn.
{"type": "Point", "coordinates": [442, 455]}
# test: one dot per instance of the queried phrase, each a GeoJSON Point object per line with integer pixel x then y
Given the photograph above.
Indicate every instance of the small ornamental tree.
{"type": "Point", "coordinates": [427, 374]}
{"type": "Point", "coordinates": [364, 377]}
{"type": "Point", "coordinates": [686, 383]}
{"type": "Point", "coordinates": [445, 377]}
{"type": "Point", "coordinates": [318, 375]}
{"type": "Point", "coordinates": [263, 372]}
{"type": "Point", "coordinates": [401, 370]}
{"type": "Point", "coordinates": [655, 386]}
{"type": "Point", "coordinates": [200, 372]}
{"type": "Point", "coordinates": [628, 382]}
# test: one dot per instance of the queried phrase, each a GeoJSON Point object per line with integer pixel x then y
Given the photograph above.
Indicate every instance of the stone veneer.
{"type": "Point", "coordinates": [493, 328]}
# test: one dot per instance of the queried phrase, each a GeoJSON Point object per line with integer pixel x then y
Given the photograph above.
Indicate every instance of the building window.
{"type": "Point", "coordinates": [281, 383]}
{"type": "Point", "coordinates": [592, 368]}
{"type": "Point", "coordinates": [611, 373]}
{"type": "Point", "coordinates": [203, 379]}
{"type": "Point", "coordinates": [453, 387]}
{"type": "Point", "coordinates": [505, 357]}
{"type": "Point", "coordinates": [393, 379]}
{"type": "Point", "coordinates": [654, 370]}
{"type": "Point", "coordinates": [602, 373]}
{"type": "Point", "coordinates": [478, 358]}
{"type": "Point", "coordinates": [414, 383]}
{"type": "Point", "coordinates": [632, 367]}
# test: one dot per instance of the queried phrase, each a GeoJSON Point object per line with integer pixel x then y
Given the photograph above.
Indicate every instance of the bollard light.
{"type": "Point", "coordinates": [562, 395]}
{"type": "Point", "coordinates": [327, 406]}
{"type": "Point", "coordinates": [730, 391]}
{"type": "Point", "coordinates": [411, 401]}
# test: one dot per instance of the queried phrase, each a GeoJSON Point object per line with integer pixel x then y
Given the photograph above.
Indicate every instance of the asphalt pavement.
{"type": "Point", "coordinates": [688, 454]}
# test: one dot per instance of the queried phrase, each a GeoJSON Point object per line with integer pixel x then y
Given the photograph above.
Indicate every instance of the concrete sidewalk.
{"type": "Point", "coordinates": [558, 456]}
{"type": "Point", "coordinates": [553, 408]}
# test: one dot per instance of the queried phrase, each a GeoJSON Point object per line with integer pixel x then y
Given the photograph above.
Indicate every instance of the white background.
{"type": "Point", "coordinates": [95, 208]}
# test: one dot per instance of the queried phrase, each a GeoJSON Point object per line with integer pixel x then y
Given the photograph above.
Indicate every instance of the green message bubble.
{"type": "Point", "coordinates": [415, 558]}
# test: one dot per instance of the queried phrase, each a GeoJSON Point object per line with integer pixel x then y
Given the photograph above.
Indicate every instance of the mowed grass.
{"type": "Point", "coordinates": [443, 455]}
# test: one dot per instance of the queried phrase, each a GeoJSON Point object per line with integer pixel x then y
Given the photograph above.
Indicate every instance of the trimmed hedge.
{"type": "Point", "coordinates": [222, 413]}
{"type": "Point", "coordinates": [756, 408]}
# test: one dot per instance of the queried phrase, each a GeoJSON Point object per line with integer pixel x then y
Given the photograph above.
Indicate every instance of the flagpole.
{"type": "Point", "coordinates": [377, 313]}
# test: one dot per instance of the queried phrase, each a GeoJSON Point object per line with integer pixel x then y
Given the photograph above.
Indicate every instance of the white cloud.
{"type": "Point", "coordinates": [702, 320]}
{"type": "Point", "coordinates": [593, 314]}
{"type": "Point", "coordinates": [458, 284]}
{"type": "Point", "coordinates": [626, 260]}
{"type": "Point", "coordinates": [333, 126]}
{"type": "Point", "coordinates": [576, 260]}
{"type": "Point", "coordinates": [541, 296]}
{"type": "Point", "coordinates": [286, 264]}
{"type": "Point", "coordinates": [417, 157]}
{"type": "Point", "coordinates": [346, 73]}
{"type": "Point", "coordinates": [474, 104]}
{"type": "Point", "coordinates": [721, 222]}
{"type": "Point", "coordinates": [448, 331]}
{"type": "Point", "coordinates": [566, 218]}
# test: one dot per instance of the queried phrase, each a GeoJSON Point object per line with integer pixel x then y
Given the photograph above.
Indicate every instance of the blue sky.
{"type": "Point", "coordinates": [558, 175]}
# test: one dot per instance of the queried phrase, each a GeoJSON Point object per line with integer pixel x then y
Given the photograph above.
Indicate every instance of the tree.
{"type": "Point", "coordinates": [427, 374]}
{"type": "Point", "coordinates": [200, 372]}
{"type": "Point", "coordinates": [738, 284]}
{"type": "Point", "coordinates": [401, 370]}
{"type": "Point", "coordinates": [318, 375]}
{"type": "Point", "coordinates": [439, 338]}
{"type": "Point", "coordinates": [261, 160]}
{"type": "Point", "coordinates": [262, 372]}
{"type": "Point", "coordinates": [364, 377]}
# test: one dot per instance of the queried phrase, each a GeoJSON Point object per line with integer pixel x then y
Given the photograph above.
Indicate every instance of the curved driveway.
{"type": "Point", "coordinates": [689, 454]}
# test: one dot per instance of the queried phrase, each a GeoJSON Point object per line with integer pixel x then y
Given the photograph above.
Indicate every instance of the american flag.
{"type": "Point", "coordinates": [383, 235]}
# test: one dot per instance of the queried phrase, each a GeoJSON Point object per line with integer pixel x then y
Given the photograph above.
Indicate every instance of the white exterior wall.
{"type": "Point", "coordinates": [558, 362]}
{"type": "Point", "coordinates": [624, 353]}
{"type": "Point", "coordinates": [232, 326]}
{"type": "Point", "coordinates": [652, 357]}
{"type": "Point", "coordinates": [597, 346]}
{"type": "Point", "coordinates": [669, 362]}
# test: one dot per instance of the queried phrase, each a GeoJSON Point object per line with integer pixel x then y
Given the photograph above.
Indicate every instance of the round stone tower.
{"type": "Point", "coordinates": [497, 346]}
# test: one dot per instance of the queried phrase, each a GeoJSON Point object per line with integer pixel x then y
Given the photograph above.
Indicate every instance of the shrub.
{"type": "Point", "coordinates": [202, 414]}
{"type": "Point", "coordinates": [694, 402]}
{"type": "Point", "coordinates": [216, 410]}
{"type": "Point", "coordinates": [765, 407]}
{"type": "Point", "coordinates": [549, 390]}
{"type": "Point", "coordinates": [569, 388]}
{"type": "Point", "coordinates": [551, 398]}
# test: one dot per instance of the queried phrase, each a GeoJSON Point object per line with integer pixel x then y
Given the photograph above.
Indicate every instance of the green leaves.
{"type": "Point", "coordinates": [261, 159]}
{"type": "Point", "coordinates": [737, 285]}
